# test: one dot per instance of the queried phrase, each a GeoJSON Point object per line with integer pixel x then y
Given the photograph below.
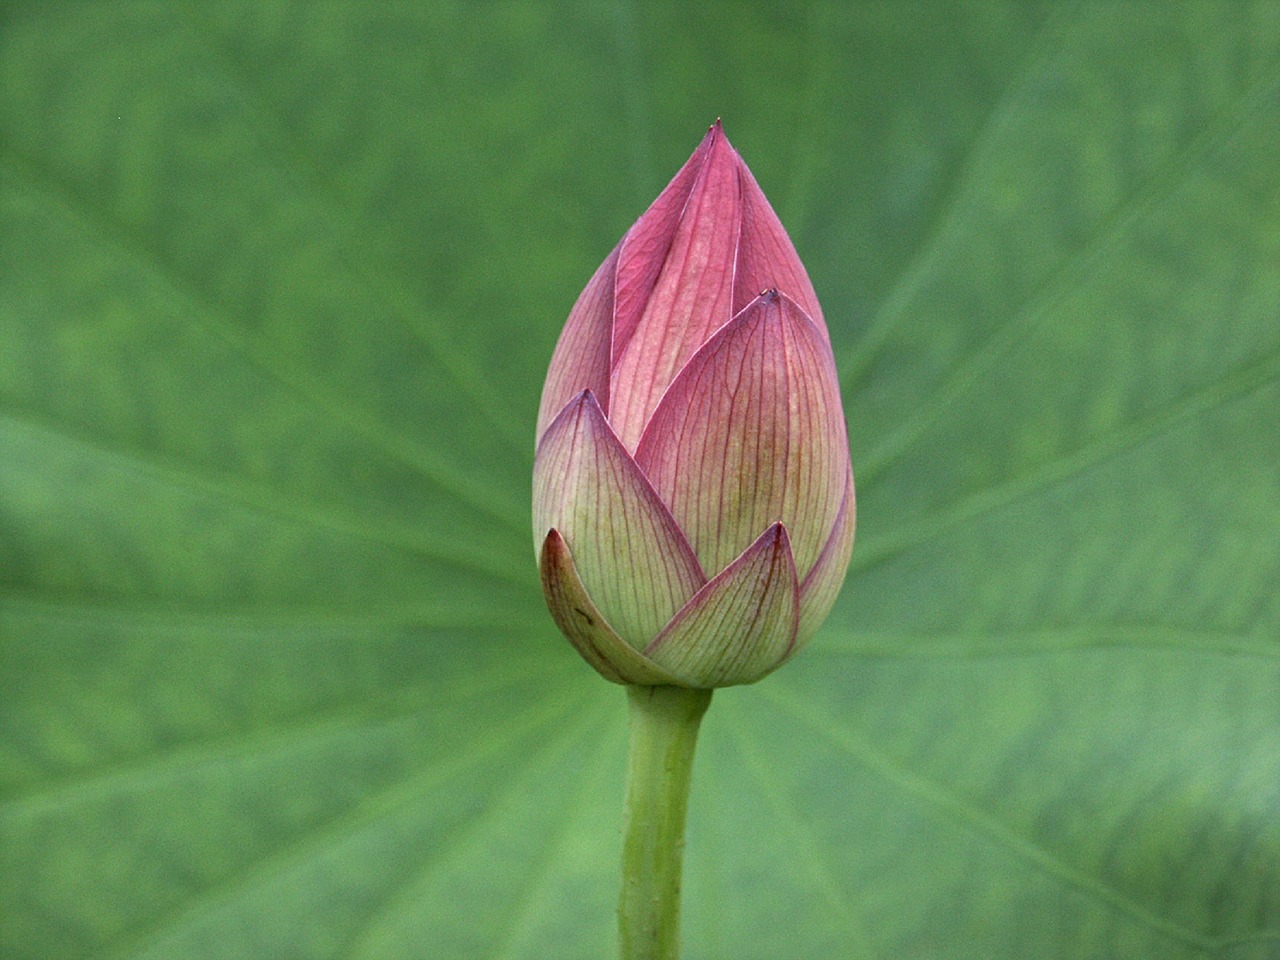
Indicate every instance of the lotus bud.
{"type": "Point", "coordinates": [693, 504]}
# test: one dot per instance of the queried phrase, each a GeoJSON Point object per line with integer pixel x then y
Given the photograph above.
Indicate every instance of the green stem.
{"type": "Point", "coordinates": [664, 732]}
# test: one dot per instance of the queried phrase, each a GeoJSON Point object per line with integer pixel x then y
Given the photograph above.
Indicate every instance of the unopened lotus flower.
{"type": "Point", "coordinates": [693, 498]}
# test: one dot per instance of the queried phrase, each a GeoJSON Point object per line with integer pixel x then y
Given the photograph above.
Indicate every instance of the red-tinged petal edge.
{"type": "Point", "coordinates": [692, 295]}
{"type": "Point", "coordinates": [581, 358]}
{"type": "Point", "coordinates": [766, 257]}
{"type": "Point", "coordinates": [822, 585]}
{"type": "Point", "coordinates": [627, 547]}
{"type": "Point", "coordinates": [752, 432]}
{"type": "Point", "coordinates": [742, 624]}
{"type": "Point", "coordinates": [586, 627]}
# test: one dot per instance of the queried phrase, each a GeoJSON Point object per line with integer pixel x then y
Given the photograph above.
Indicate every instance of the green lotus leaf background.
{"type": "Point", "coordinates": [278, 286]}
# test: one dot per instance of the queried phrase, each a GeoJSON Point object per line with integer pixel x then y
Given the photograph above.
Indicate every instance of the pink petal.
{"type": "Point", "coordinates": [645, 247]}
{"type": "Point", "coordinates": [692, 296]}
{"type": "Point", "coordinates": [766, 258]}
{"type": "Point", "coordinates": [581, 358]}
{"type": "Point", "coordinates": [741, 625]}
{"type": "Point", "coordinates": [751, 433]}
{"type": "Point", "coordinates": [822, 585]}
{"type": "Point", "coordinates": [631, 555]}
{"type": "Point", "coordinates": [586, 627]}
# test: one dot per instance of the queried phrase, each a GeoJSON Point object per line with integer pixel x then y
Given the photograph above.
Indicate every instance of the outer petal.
{"type": "Point", "coordinates": [766, 257]}
{"type": "Point", "coordinates": [605, 316]}
{"type": "Point", "coordinates": [750, 433]}
{"type": "Point", "coordinates": [586, 627]}
{"type": "Point", "coordinates": [742, 624]}
{"type": "Point", "coordinates": [631, 555]}
{"type": "Point", "coordinates": [691, 298]}
{"type": "Point", "coordinates": [820, 588]}
{"type": "Point", "coordinates": [644, 248]}
{"type": "Point", "coordinates": [581, 358]}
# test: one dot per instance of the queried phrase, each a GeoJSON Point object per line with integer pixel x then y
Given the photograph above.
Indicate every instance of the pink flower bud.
{"type": "Point", "coordinates": [693, 504]}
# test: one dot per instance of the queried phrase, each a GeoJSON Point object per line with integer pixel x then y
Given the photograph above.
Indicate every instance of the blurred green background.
{"type": "Point", "coordinates": [278, 286]}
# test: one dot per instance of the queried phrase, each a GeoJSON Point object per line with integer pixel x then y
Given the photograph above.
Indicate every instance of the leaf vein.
{"type": "Point", "coordinates": [237, 490]}
{"type": "Point", "coordinates": [210, 319]}
{"type": "Point", "coordinates": [803, 835]}
{"type": "Point", "coordinates": [860, 355]}
{"type": "Point", "coordinates": [403, 305]}
{"type": "Point", "coordinates": [314, 842]}
{"type": "Point", "coordinates": [949, 804]}
{"type": "Point", "coordinates": [1067, 277]}
{"type": "Point", "coordinates": [293, 733]}
{"type": "Point", "coordinates": [1232, 386]}
{"type": "Point", "coordinates": [1038, 643]}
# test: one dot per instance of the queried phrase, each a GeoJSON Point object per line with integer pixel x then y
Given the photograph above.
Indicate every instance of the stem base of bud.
{"type": "Point", "coordinates": [664, 725]}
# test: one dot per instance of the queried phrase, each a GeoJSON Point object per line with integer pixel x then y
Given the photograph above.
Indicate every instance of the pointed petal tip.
{"type": "Point", "coordinates": [716, 133]}
{"type": "Point", "coordinates": [766, 255]}
{"type": "Point", "coordinates": [577, 404]}
{"type": "Point", "coordinates": [585, 627]}
{"type": "Point", "coordinates": [733, 413]}
{"type": "Point", "coordinates": [742, 624]}
{"type": "Point", "coordinates": [631, 554]}
{"type": "Point", "coordinates": [569, 606]}
{"type": "Point", "coordinates": [581, 355]}
{"type": "Point", "coordinates": [778, 299]}
{"type": "Point", "coordinates": [714, 136]}
{"type": "Point", "coordinates": [716, 148]}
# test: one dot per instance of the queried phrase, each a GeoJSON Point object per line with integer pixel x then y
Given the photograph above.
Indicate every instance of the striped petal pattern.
{"type": "Point", "coordinates": [693, 295]}
{"type": "Point", "coordinates": [693, 498]}
{"type": "Point", "coordinates": [586, 627]}
{"type": "Point", "coordinates": [631, 555]}
{"type": "Point", "coordinates": [821, 586]}
{"type": "Point", "coordinates": [742, 624]}
{"type": "Point", "coordinates": [751, 432]}
{"type": "Point", "coordinates": [581, 358]}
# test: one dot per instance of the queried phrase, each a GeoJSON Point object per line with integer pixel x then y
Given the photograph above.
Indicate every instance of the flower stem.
{"type": "Point", "coordinates": [664, 732]}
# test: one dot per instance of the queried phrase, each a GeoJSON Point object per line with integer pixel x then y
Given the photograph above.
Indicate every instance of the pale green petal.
{"type": "Point", "coordinates": [629, 552]}
{"type": "Point", "coordinates": [742, 624]}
